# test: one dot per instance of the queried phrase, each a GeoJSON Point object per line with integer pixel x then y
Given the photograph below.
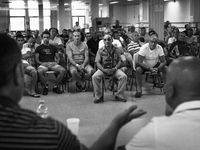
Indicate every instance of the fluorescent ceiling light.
{"type": "Point", "coordinates": [114, 2]}
{"type": "Point", "coordinates": [130, 0]}
{"type": "Point", "coordinates": [66, 4]}
{"type": "Point", "coordinates": [100, 4]}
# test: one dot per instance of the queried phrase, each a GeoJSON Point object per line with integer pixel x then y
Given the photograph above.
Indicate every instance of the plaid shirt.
{"type": "Point", "coordinates": [108, 59]}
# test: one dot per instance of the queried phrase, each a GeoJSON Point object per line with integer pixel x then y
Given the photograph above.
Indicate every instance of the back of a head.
{"type": "Point", "coordinates": [10, 56]}
{"type": "Point", "coordinates": [184, 73]}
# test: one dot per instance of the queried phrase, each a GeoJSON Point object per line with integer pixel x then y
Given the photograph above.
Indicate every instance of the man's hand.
{"type": "Point", "coordinates": [106, 71]}
{"type": "Point", "coordinates": [128, 115]}
{"type": "Point", "coordinates": [153, 70]}
{"type": "Point", "coordinates": [82, 66]}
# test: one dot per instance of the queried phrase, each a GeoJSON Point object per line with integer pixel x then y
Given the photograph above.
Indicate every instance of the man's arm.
{"type": "Point", "coordinates": [86, 57]}
{"type": "Point", "coordinates": [69, 54]}
{"type": "Point", "coordinates": [108, 139]}
{"type": "Point", "coordinates": [57, 58]}
{"type": "Point", "coordinates": [140, 62]}
{"type": "Point", "coordinates": [162, 62]}
{"type": "Point", "coordinates": [37, 59]}
{"type": "Point", "coordinates": [26, 55]}
{"type": "Point", "coordinates": [98, 62]}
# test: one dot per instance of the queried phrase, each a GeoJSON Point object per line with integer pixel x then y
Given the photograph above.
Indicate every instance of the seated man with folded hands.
{"type": "Point", "coordinates": [108, 62]}
{"type": "Point", "coordinates": [150, 58]}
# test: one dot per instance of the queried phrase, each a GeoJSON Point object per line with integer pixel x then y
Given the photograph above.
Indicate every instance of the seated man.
{"type": "Point", "coordinates": [78, 56]}
{"type": "Point", "coordinates": [47, 57]}
{"type": "Point", "coordinates": [28, 69]}
{"type": "Point", "coordinates": [93, 44]}
{"type": "Point", "coordinates": [179, 48]}
{"type": "Point", "coordinates": [109, 63]}
{"type": "Point", "coordinates": [150, 58]}
{"type": "Point", "coordinates": [178, 129]}
{"type": "Point", "coordinates": [28, 61]}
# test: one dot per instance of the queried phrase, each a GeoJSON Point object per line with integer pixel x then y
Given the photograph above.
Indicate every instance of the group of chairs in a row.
{"type": "Point", "coordinates": [67, 79]}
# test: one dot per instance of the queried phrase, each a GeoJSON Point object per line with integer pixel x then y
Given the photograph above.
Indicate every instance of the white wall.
{"type": "Point", "coordinates": [119, 13]}
{"type": "Point", "coordinates": [133, 14]}
{"type": "Point", "coordinates": [127, 15]}
{"type": "Point", "coordinates": [178, 11]}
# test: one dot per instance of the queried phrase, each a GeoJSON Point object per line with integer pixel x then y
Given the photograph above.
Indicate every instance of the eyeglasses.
{"type": "Point", "coordinates": [108, 39]}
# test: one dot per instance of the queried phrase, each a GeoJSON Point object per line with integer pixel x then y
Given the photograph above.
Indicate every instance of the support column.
{"type": "Point", "coordinates": [41, 16]}
{"type": "Point", "coordinates": [68, 14]}
{"type": "Point", "coordinates": [27, 19]}
{"type": "Point", "coordinates": [94, 7]}
{"type": "Point", "coordinates": [144, 13]}
{"type": "Point", "coordinates": [54, 19]}
{"type": "Point", "coordinates": [156, 17]}
{"type": "Point", "coordinates": [61, 14]}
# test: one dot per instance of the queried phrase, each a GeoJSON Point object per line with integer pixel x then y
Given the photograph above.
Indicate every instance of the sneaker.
{"type": "Point", "coordinates": [138, 94]}
{"type": "Point", "coordinates": [45, 91]}
{"type": "Point", "coordinates": [100, 100]}
{"type": "Point", "coordinates": [57, 90]}
{"type": "Point", "coordinates": [84, 88]}
{"type": "Point", "coordinates": [117, 98]}
{"type": "Point", "coordinates": [78, 87]}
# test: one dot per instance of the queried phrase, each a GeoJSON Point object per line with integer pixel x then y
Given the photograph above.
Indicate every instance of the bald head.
{"type": "Point", "coordinates": [183, 80]}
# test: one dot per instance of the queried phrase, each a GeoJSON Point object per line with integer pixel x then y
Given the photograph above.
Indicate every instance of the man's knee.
{"type": "Point", "coordinates": [139, 70]}
{"type": "Point", "coordinates": [41, 71]}
{"type": "Point", "coordinates": [33, 72]}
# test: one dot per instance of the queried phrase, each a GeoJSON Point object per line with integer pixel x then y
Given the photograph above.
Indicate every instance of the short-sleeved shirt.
{"type": "Point", "coordinates": [24, 51]}
{"type": "Point", "coordinates": [176, 132]}
{"type": "Point", "coordinates": [24, 129]}
{"type": "Point", "coordinates": [115, 42]}
{"type": "Point", "coordinates": [26, 48]}
{"type": "Point", "coordinates": [46, 53]}
{"type": "Point", "coordinates": [133, 46]}
{"type": "Point", "coordinates": [151, 57]}
{"type": "Point", "coordinates": [108, 59]}
{"type": "Point", "coordinates": [180, 48]}
{"type": "Point", "coordinates": [78, 52]}
{"type": "Point", "coordinates": [93, 45]}
{"type": "Point", "coordinates": [56, 40]}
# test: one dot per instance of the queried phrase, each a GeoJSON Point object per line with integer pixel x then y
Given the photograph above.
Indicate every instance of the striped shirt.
{"type": "Point", "coordinates": [133, 46]}
{"type": "Point", "coordinates": [23, 129]}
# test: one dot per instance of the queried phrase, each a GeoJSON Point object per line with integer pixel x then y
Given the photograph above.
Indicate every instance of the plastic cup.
{"type": "Point", "coordinates": [73, 125]}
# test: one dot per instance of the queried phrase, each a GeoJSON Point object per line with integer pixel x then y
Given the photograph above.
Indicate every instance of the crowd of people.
{"type": "Point", "coordinates": [89, 57]}
{"type": "Point", "coordinates": [24, 129]}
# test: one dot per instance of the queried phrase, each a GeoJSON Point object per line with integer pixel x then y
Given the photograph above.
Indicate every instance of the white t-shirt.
{"type": "Point", "coordinates": [115, 42]}
{"type": "Point", "coordinates": [24, 51]}
{"type": "Point", "coordinates": [176, 132]}
{"type": "Point", "coordinates": [151, 56]}
{"type": "Point", "coordinates": [56, 40]}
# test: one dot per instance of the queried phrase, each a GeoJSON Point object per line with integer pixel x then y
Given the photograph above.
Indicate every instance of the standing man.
{"type": "Point", "coordinates": [24, 129]}
{"type": "Point", "coordinates": [77, 26]}
{"type": "Point", "coordinates": [150, 58]}
{"type": "Point", "coordinates": [109, 63]}
{"type": "Point", "coordinates": [47, 57]}
{"type": "Point", "coordinates": [78, 56]}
